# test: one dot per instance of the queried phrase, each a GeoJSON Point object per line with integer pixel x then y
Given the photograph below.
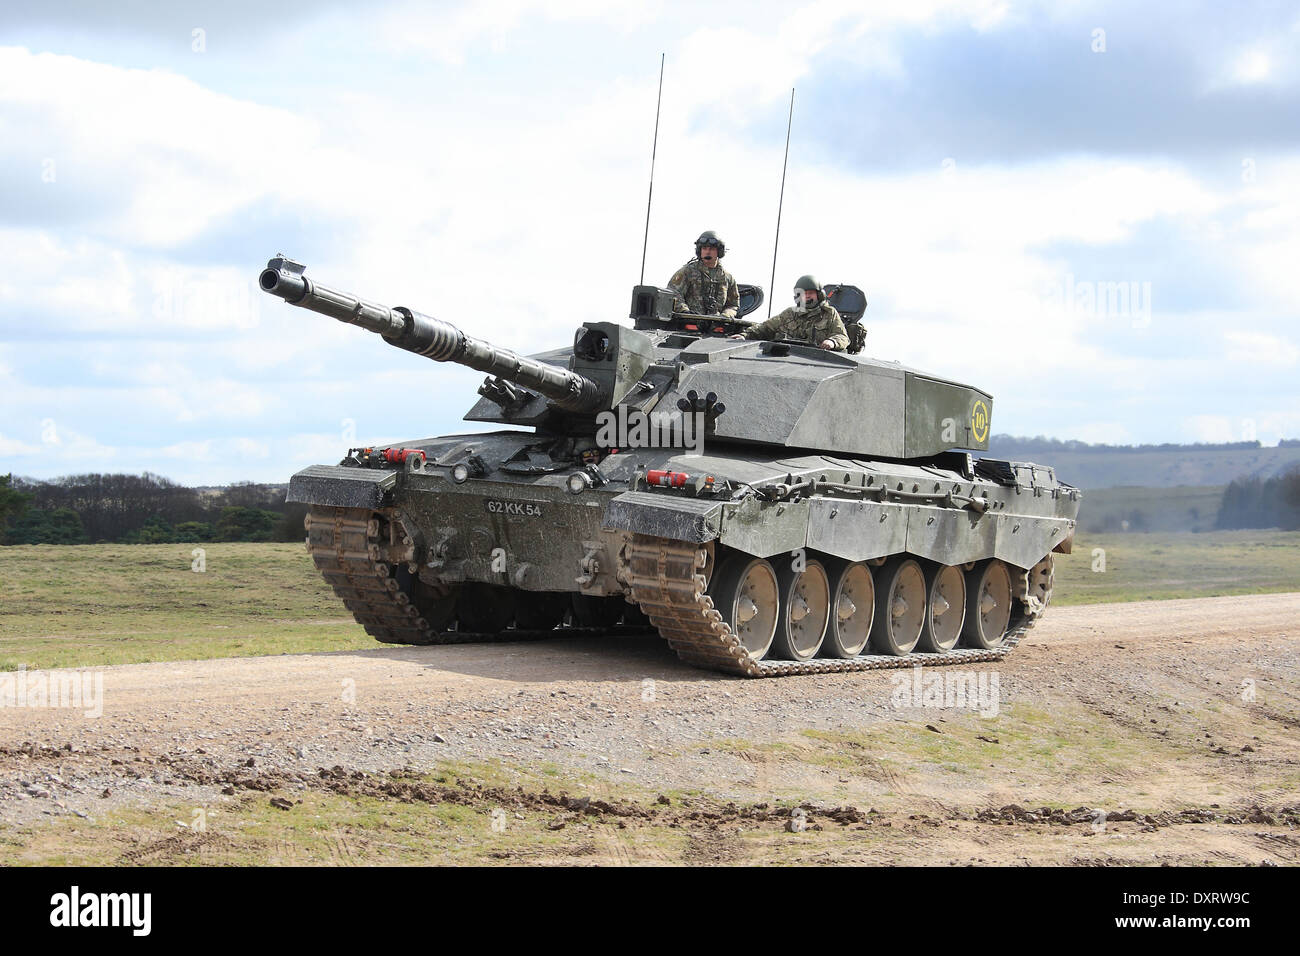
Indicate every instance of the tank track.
{"type": "Point", "coordinates": [343, 543]}
{"type": "Point", "coordinates": [666, 581]}
{"type": "Point", "coordinates": [340, 541]}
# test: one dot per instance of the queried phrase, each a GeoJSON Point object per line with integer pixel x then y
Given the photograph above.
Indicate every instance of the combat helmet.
{"type": "Point", "coordinates": [801, 285]}
{"type": "Point", "coordinates": [710, 238]}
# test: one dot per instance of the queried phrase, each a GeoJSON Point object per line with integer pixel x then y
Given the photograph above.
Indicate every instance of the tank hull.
{"type": "Point", "coordinates": [443, 538]}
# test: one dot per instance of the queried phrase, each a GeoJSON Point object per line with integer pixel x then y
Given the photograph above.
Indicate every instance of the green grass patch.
{"type": "Point", "coordinates": [90, 605]}
{"type": "Point", "coordinates": [1141, 567]}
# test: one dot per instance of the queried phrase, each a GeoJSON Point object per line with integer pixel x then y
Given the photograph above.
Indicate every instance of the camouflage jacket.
{"type": "Point", "coordinates": [814, 327]}
{"type": "Point", "coordinates": [705, 291]}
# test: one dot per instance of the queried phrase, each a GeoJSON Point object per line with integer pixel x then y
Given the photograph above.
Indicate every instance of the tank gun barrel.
{"type": "Point", "coordinates": [433, 338]}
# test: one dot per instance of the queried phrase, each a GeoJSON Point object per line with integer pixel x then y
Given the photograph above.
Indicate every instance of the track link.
{"type": "Point", "coordinates": [667, 582]}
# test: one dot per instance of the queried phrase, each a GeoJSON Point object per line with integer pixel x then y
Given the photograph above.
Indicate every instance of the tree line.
{"type": "Point", "coordinates": [1254, 502]}
{"type": "Point", "coordinates": [142, 509]}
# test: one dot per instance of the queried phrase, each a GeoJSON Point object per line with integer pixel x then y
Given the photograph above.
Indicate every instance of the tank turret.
{"type": "Point", "coordinates": [778, 393]}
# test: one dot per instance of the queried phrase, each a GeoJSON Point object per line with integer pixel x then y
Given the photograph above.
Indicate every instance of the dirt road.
{"type": "Point", "coordinates": [1171, 728]}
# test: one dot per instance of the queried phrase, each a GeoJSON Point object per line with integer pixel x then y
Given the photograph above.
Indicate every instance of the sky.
{"type": "Point", "coordinates": [1090, 210]}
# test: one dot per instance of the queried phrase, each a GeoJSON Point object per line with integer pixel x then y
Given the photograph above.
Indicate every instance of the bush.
{"type": "Point", "coordinates": [37, 526]}
{"type": "Point", "coordinates": [246, 524]}
{"type": "Point", "coordinates": [12, 504]}
{"type": "Point", "coordinates": [155, 530]}
{"type": "Point", "coordinates": [188, 531]}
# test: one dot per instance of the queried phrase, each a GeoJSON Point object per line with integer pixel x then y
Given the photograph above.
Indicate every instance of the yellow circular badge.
{"type": "Point", "coordinates": [979, 421]}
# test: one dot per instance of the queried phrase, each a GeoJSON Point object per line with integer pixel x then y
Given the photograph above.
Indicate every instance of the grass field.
{"type": "Point", "coordinates": [89, 605]}
{"type": "Point", "coordinates": [85, 605]}
{"type": "Point", "coordinates": [1142, 567]}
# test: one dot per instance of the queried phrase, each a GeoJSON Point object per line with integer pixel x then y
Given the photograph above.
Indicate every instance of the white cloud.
{"type": "Point", "coordinates": [1267, 61]}
{"type": "Point", "coordinates": [1258, 348]}
{"type": "Point", "coordinates": [1252, 66]}
{"type": "Point", "coordinates": [12, 446]}
{"type": "Point", "coordinates": [1218, 429]}
{"type": "Point", "coordinates": [63, 448]}
{"type": "Point", "coordinates": [1104, 433]}
{"type": "Point", "coordinates": [187, 156]}
{"type": "Point", "coordinates": [188, 450]}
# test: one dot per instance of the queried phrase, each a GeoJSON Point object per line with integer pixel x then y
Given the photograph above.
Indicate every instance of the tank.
{"type": "Point", "coordinates": [768, 507]}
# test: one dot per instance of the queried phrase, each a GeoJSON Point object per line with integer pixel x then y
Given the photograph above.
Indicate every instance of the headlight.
{"type": "Point", "coordinates": [579, 482]}
{"type": "Point", "coordinates": [460, 473]}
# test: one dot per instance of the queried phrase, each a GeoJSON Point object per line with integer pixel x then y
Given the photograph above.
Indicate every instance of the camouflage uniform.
{"type": "Point", "coordinates": [814, 327]}
{"type": "Point", "coordinates": [705, 291]}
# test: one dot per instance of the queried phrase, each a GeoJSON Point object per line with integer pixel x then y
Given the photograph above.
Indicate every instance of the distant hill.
{"type": "Point", "coordinates": [1152, 466]}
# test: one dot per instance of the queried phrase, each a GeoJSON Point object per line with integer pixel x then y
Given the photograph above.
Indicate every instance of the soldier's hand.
{"type": "Point", "coordinates": [828, 344]}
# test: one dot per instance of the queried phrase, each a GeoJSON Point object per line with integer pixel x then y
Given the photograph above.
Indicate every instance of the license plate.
{"type": "Point", "coordinates": [514, 509]}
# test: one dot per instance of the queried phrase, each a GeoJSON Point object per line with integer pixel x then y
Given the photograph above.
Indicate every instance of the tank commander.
{"type": "Point", "coordinates": [811, 319]}
{"type": "Point", "coordinates": [703, 287]}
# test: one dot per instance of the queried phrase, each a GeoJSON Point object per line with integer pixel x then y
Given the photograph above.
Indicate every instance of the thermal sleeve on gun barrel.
{"type": "Point", "coordinates": [430, 337]}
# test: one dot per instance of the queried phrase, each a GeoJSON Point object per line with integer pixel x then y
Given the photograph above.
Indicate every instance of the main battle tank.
{"type": "Point", "coordinates": [768, 507]}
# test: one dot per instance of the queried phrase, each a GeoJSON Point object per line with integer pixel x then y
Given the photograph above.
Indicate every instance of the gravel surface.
{"type": "Point", "coordinates": [628, 713]}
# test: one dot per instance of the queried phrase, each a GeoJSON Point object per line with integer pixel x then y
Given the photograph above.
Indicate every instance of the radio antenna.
{"type": "Point", "coordinates": [780, 202]}
{"type": "Point", "coordinates": [653, 149]}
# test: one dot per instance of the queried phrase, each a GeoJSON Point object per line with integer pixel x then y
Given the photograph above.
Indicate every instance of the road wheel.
{"type": "Point", "coordinates": [988, 604]}
{"type": "Point", "coordinates": [945, 608]}
{"type": "Point", "coordinates": [900, 606]}
{"type": "Point", "coordinates": [744, 592]}
{"type": "Point", "coordinates": [853, 605]}
{"type": "Point", "coordinates": [804, 611]}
